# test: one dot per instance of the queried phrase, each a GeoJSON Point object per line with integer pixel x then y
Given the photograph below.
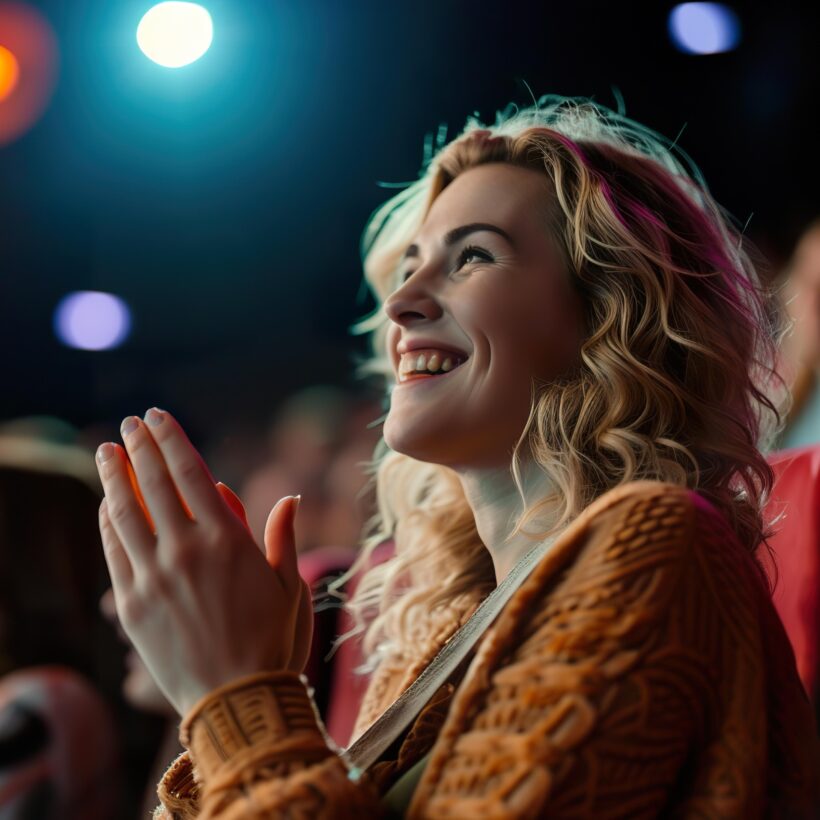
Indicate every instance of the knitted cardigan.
{"type": "Point", "coordinates": [639, 671]}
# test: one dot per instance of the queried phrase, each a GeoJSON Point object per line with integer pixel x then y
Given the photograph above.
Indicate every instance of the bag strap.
{"type": "Point", "coordinates": [398, 717]}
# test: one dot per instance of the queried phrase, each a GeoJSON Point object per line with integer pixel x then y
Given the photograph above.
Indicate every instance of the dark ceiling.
{"type": "Point", "coordinates": [224, 201]}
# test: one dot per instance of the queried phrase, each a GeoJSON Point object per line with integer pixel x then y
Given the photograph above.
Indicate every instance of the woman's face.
{"type": "Point", "coordinates": [481, 307]}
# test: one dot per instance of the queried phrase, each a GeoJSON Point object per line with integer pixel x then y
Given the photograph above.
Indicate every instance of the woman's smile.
{"type": "Point", "coordinates": [406, 379]}
{"type": "Point", "coordinates": [431, 362]}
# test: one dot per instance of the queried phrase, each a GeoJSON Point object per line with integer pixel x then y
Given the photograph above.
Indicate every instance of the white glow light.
{"type": "Point", "coordinates": [704, 28]}
{"type": "Point", "coordinates": [91, 320]}
{"type": "Point", "coordinates": [175, 34]}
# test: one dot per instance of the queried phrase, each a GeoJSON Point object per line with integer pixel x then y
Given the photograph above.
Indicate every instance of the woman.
{"type": "Point", "coordinates": [579, 357]}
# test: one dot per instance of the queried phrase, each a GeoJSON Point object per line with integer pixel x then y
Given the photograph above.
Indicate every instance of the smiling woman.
{"type": "Point", "coordinates": [579, 358]}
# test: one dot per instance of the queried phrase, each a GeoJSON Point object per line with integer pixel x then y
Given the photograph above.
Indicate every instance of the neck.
{"type": "Point", "coordinates": [497, 504]}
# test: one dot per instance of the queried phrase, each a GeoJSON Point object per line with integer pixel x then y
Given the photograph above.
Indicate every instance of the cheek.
{"type": "Point", "coordinates": [545, 343]}
{"type": "Point", "coordinates": [560, 327]}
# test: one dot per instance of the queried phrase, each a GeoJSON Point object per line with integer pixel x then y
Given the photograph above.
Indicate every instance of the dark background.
{"type": "Point", "coordinates": [225, 201]}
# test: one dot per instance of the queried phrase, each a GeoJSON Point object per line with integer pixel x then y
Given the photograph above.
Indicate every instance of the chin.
{"type": "Point", "coordinates": [409, 445]}
{"type": "Point", "coordinates": [417, 442]}
{"type": "Point", "coordinates": [440, 447]}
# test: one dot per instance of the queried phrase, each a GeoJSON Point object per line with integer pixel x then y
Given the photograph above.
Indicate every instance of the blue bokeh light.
{"type": "Point", "coordinates": [704, 28]}
{"type": "Point", "coordinates": [175, 33]}
{"type": "Point", "coordinates": [92, 320]}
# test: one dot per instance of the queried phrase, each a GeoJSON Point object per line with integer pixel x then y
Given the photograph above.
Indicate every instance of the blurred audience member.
{"type": "Point", "coordinates": [58, 748]}
{"type": "Point", "coordinates": [51, 563]}
{"type": "Point", "coordinates": [313, 429]}
{"type": "Point", "coordinates": [801, 348]}
{"type": "Point", "coordinates": [53, 677]}
{"type": "Point", "coordinates": [349, 493]}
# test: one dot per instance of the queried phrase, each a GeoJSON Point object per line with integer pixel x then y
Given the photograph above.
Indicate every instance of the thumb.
{"type": "Point", "coordinates": [280, 540]}
{"type": "Point", "coordinates": [233, 501]}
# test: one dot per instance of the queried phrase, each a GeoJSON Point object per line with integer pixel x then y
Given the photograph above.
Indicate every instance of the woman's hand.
{"type": "Point", "coordinates": [194, 594]}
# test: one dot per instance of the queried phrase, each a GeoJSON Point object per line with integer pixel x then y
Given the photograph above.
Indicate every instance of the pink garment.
{"type": "Point", "coordinates": [346, 686]}
{"type": "Point", "coordinates": [796, 548]}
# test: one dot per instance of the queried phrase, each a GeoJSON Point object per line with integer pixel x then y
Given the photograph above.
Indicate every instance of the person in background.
{"type": "Point", "coordinates": [316, 446]}
{"type": "Point", "coordinates": [60, 747]}
{"type": "Point", "coordinates": [801, 348]}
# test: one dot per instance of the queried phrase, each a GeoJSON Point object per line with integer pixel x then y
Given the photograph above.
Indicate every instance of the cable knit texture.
{"type": "Point", "coordinates": [640, 671]}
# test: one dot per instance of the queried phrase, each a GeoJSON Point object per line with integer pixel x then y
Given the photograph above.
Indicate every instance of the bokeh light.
{"type": "Point", "coordinates": [92, 320]}
{"type": "Point", "coordinates": [9, 71]}
{"type": "Point", "coordinates": [175, 34]}
{"type": "Point", "coordinates": [704, 28]}
{"type": "Point", "coordinates": [28, 68]}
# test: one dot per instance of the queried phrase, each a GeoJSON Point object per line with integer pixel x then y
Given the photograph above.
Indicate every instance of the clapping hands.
{"type": "Point", "coordinates": [196, 596]}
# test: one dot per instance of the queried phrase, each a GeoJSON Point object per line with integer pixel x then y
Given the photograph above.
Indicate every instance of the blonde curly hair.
{"type": "Point", "coordinates": [676, 380]}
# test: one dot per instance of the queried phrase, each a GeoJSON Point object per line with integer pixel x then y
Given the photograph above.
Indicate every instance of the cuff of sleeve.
{"type": "Point", "coordinates": [259, 720]}
{"type": "Point", "coordinates": [177, 791]}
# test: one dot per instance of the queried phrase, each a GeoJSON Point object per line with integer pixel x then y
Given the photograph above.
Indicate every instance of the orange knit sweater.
{"type": "Point", "coordinates": [640, 671]}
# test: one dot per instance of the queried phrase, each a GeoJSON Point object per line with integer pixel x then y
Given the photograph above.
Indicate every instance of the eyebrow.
{"type": "Point", "coordinates": [459, 233]}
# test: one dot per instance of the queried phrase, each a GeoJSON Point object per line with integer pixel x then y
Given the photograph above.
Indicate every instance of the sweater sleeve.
{"type": "Point", "coordinates": [630, 684]}
{"type": "Point", "coordinates": [260, 752]}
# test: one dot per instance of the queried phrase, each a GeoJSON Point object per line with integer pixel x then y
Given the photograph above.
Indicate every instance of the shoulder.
{"type": "Point", "coordinates": [630, 530]}
{"type": "Point", "coordinates": [646, 556]}
{"type": "Point", "coordinates": [661, 523]}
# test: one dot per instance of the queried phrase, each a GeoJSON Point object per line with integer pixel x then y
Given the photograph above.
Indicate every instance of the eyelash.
{"type": "Point", "coordinates": [468, 251]}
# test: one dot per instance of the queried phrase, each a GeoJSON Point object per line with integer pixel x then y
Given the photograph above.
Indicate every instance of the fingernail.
{"type": "Point", "coordinates": [104, 452]}
{"type": "Point", "coordinates": [296, 500]}
{"type": "Point", "coordinates": [129, 425]}
{"type": "Point", "coordinates": [154, 416]}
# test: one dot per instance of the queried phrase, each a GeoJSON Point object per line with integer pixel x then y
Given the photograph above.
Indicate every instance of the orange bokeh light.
{"type": "Point", "coordinates": [28, 68]}
{"type": "Point", "coordinates": [9, 71]}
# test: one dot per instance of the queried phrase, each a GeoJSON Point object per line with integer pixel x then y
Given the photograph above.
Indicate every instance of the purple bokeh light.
{"type": "Point", "coordinates": [92, 320]}
{"type": "Point", "coordinates": [704, 28]}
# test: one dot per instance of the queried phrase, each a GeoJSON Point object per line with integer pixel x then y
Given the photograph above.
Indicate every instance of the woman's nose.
{"type": "Point", "coordinates": [412, 301]}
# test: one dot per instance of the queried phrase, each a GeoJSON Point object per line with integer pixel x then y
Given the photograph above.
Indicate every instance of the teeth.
{"type": "Point", "coordinates": [430, 361]}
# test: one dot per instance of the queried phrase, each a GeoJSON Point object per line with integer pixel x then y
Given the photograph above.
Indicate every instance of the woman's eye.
{"type": "Point", "coordinates": [472, 252]}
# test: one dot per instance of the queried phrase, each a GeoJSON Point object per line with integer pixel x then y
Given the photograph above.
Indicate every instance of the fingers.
{"type": "Point", "coordinates": [301, 650]}
{"type": "Point", "coordinates": [153, 478]}
{"type": "Point", "coordinates": [121, 510]}
{"type": "Point", "coordinates": [107, 605]}
{"type": "Point", "coordinates": [132, 477]}
{"type": "Point", "coordinates": [280, 540]}
{"type": "Point", "coordinates": [119, 565]}
{"type": "Point", "coordinates": [186, 468]}
{"type": "Point", "coordinates": [234, 502]}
